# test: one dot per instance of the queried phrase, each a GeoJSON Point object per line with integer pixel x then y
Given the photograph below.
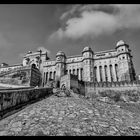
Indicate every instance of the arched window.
{"type": "Point", "coordinates": [116, 70]}
{"type": "Point", "coordinates": [77, 71]}
{"type": "Point", "coordinates": [66, 72]}
{"type": "Point", "coordinates": [100, 71]}
{"type": "Point", "coordinates": [69, 71]}
{"type": "Point", "coordinates": [74, 71]}
{"type": "Point", "coordinates": [33, 65]}
{"type": "Point", "coordinates": [106, 78]}
{"type": "Point", "coordinates": [95, 74]}
{"type": "Point", "coordinates": [111, 72]}
{"type": "Point", "coordinates": [46, 77]}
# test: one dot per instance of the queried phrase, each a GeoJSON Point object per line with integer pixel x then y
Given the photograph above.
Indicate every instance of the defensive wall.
{"type": "Point", "coordinates": [12, 99]}
{"type": "Point", "coordinates": [21, 76]}
{"type": "Point", "coordinates": [91, 88]}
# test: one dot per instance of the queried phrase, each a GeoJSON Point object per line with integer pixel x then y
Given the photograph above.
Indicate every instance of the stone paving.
{"type": "Point", "coordinates": [70, 116]}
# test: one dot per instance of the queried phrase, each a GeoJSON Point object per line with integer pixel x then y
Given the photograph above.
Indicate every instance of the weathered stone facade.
{"type": "Point", "coordinates": [105, 66]}
{"type": "Point", "coordinates": [112, 65]}
{"type": "Point", "coordinates": [21, 76]}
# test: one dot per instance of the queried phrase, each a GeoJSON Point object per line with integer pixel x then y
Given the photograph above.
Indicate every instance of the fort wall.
{"type": "Point", "coordinates": [94, 88]}
{"type": "Point", "coordinates": [10, 100]}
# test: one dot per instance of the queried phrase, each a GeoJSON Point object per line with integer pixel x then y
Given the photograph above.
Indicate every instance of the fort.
{"type": "Point", "coordinates": [38, 97]}
{"type": "Point", "coordinates": [94, 67]}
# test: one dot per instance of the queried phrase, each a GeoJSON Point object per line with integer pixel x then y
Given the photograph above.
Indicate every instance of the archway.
{"type": "Point", "coordinates": [63, 87]}
{"type": "Point", "coordinates": [33, 65]}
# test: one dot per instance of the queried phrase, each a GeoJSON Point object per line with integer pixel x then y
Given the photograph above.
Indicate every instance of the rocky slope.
{"type": "Point", "coordinates": [68, 116]}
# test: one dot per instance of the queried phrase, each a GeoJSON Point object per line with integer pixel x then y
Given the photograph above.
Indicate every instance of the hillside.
{"type": "Point", "coordinates": [71, 116]}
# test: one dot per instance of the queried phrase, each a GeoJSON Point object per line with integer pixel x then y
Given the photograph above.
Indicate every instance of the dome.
{"type": "Point", "coordinates": [60, 53]}
{"type": "Point", "coordinates": [87, 49]}
{"type": "Point", "coordinates": [121, 42]}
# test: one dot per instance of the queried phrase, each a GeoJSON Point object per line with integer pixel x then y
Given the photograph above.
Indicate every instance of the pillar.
{"type": "Point", "coordinates": [79, 74]}
{"type": "Point", "coordinates": [98, 74]}
{"type": "Point", "coordinates": [108, 73]}
{"type": "Point", "coordinates": [114, 72]}
{"type": "Point", "coordinates": [103, 74]}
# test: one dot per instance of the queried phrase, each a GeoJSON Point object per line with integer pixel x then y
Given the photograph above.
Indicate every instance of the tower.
{"type": "Point", "coordinates": [60, 64]}
{"type": "Point", "coordinates": [126, 70]}
{"type": "Point", "coordinates": [88, 64]}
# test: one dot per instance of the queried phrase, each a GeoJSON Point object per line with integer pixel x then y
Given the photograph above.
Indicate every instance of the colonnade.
{"type": "Point", "coordinates": [106, 73]}
{"type": "Point", "coordinates": [52, 74]}
{"type": "Point", "coordinates": [78, 72]}
{"type": "Point", "coordinates": [49, 75]}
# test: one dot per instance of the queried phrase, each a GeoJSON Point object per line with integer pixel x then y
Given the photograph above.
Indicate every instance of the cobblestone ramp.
{"type": "Point", "coordinates": [68, 116]}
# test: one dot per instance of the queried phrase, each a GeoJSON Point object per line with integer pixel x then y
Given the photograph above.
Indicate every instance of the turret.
{"type": "Point", "coordinates": [125, 65]}
{"type": "Point", "coordinates": [87, 64]}
{"type": "Point", "coordinates": [60, 64]}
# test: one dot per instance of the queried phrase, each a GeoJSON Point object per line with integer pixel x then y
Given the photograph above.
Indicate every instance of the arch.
{"type": "Point", "coordinates": [74, 71]}
{"type": "Point", "coordinates": [34, 65]}
{"type": "Point", "coordinates": [70, 71]}
{"type": "Point", "coordinates": [46, 77]}
{"type": "Point", "coordinates": [63, 87]}
{"type": "Point", "coordinates": [106, 77]}
{"type": "Point", "coordinates": [116, 71]}
{"type": "Point", "coordinates": [50, 77]}
{"type": "Point", "coordinates": [66, 72]}
{"type": "Point", "coordinates": [77, 71]}
{"type": "Point", "coordinates": [95, 73]}
{"type": "Point", "coordinates": [100, 72]}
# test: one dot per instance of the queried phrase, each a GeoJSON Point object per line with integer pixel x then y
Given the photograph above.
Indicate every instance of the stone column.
{"type": "Point", "coordinates": [108, 73]}
{"type": "Point", "coordinates": [114, 72]}
{"type": "Point", "coordinates": [103, 73]}
{"type": "Point", "coordinates": [48, 76]}
{"type": "Point", "coordinates": [80, 74]}
{"type": "Point", "coordinates": [44, 77]}
{"type": "Point", "coordinates": [98, 74]}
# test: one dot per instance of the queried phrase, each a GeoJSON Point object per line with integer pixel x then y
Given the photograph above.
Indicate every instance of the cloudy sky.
{"type": "Point", "coordinates": [68, 28]}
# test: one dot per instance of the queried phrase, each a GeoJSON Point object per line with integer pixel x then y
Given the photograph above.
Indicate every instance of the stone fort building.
{"type": "Point", "coordinates": [105, 66]}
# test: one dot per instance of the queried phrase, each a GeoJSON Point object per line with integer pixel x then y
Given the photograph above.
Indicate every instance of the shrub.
{"type": "Point", "coordinates": [67, 93]}
{"type": "Point", "coordinates": [114, 95]}
{"type": "Point", "coordinates": [102, 94]}
{"type": "Point", "coordinates": [134, 97]}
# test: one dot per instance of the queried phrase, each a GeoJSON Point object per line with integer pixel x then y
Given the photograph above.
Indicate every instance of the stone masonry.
{"type": "Point", "coordinates": [105, 66]}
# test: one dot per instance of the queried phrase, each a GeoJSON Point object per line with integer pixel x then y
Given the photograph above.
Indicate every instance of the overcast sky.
{"type": "Point", "coordinates": [68, 28]}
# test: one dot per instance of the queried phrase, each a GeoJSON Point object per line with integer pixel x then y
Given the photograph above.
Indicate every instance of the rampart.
{"type": "Point", "coordinates": [13, 99]}
{"type": "Point", "coordinates": [91, 88]}
{"type": "Point", "coordinates": [21, 76]}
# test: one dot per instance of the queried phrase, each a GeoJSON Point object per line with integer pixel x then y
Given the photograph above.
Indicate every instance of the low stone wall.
{"type": "Point", "coordinates": [12, 99]}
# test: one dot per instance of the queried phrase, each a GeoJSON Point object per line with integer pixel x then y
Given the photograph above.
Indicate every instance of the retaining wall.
{"type": "Point", "coordinates": [13, 99]}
